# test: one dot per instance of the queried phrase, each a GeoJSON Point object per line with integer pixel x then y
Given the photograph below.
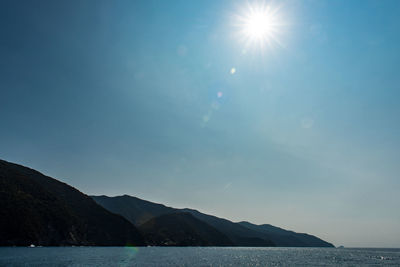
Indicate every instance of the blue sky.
{"type": "Point", "coordinates": [138, 97]}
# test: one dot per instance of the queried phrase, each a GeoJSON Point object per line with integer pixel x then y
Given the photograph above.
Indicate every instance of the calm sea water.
{"type": "Point", "coordinates": [163, 256]}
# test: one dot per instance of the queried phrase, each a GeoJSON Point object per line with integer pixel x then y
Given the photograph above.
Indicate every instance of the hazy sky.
{"type": "Point", "coordinates": [140, 98]}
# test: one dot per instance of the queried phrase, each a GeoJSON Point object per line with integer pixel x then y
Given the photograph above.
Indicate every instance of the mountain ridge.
{"type": "Point", "coordinates": [182, 229]}
{"type": "Point", "coordinates": [38, 209]}
{"type": "Point", "coordinates": [241, 233]}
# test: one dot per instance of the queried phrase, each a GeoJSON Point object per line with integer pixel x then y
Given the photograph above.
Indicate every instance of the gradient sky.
{"type": "Point", "coordinates": [137, 97]}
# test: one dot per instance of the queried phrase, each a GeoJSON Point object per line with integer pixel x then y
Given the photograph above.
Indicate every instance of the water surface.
{"type": "Point", "coordinates": [196, 256]}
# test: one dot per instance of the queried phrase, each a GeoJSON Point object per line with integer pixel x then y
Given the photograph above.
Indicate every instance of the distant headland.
{"type": "Point", "coordinates": [41, 211]}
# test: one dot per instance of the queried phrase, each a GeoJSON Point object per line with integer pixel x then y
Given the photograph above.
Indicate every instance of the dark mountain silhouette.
{"type": "Point", "coordinates": [240, 235]}
{"type": "Point", "coordinates": [138, 211]}
{"type": "Point", "coordinates": [284, 238]}
{"type": "Point", "coordinates": [182, 229]}
{"type": "Point", "coordinates": [37, 209]}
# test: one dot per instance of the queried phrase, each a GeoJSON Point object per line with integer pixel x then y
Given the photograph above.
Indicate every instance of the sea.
{"type": "Point", "coordinates": [196, 256]}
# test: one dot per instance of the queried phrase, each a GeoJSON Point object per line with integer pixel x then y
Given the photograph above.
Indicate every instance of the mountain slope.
{"type": "Point", "coordinates": [182, 229]}
{"type": "Point", "coordinates": [37, 209]}
{"type": "Point", "coordinates": [139, 212]}
{"type": "Point", "coordinates": [241, 234]}
{"type": "Point", "coordinates": [136, 210]}
{"type": "Point", "coordinates": [287, 238]}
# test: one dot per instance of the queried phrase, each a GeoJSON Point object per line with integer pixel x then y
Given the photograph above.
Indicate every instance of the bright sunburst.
{"type": "Point", "coordinates": [259, 25]}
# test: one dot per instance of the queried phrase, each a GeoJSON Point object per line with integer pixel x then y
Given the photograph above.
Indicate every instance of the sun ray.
{"type": "Point", "coordinates": [259, 25]}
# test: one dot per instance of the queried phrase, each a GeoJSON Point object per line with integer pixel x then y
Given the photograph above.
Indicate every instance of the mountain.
{"type": "Point", "coordinates": [144, 214]}
{"type": "Point", "coordinates": [285, 238]}
{"type": "Point", "coordinates": [182, 229]}
{"type": "Point", "coordinates": [136, 210]}
{"type": "Point", "coordinates": [37, 209]}
{"type": "Point", "coordinates": [240, 235]}
{"type": "Point", "coordinates": [139, 211]}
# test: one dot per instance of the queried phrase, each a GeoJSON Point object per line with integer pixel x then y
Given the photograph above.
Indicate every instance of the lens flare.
{"type": "Point", "coordinates": [134, 250]}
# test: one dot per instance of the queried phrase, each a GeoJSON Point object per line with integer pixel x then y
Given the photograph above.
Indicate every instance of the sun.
{"type": "Point", "coordinates": [259, 25]}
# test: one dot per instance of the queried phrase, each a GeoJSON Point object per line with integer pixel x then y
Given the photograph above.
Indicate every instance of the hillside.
{"type": "Point", "coordinates": [182, 229]}
{"type": "Point", "coordinates": [285, 238]}
{"type": "Point", "coordinates": [139, 211]}
{"type": "Point", "coordinates": [37, 209]}
{"type": "Point", "coordinates": [240, 235]}
{"type": "Point", "coordinates": [136, 210]}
